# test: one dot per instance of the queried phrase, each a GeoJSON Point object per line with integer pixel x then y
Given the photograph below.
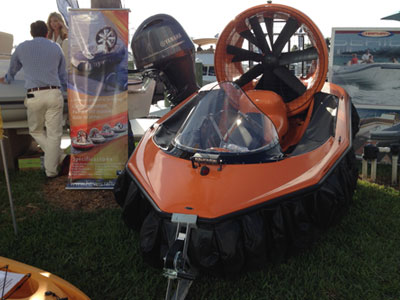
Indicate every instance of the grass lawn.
{"type": "Point", "coordinates": [95, 251]}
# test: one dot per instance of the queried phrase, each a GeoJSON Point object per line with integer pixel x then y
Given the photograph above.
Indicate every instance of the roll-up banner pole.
{"type": "Point", "coordinates": [3, 156]}
{"type": "Point", "coordinates": [97, 96]}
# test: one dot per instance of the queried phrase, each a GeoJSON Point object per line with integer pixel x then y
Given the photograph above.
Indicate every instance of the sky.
{"type": "Point", "coordinates": [206, 18]}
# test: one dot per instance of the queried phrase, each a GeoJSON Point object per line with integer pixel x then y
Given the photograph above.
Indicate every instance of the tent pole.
{"type": "Point", "coordinates": [8, 186]}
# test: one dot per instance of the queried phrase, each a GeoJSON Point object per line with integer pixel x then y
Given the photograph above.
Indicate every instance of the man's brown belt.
{"type": "Point", "coordinates": [50, 87]}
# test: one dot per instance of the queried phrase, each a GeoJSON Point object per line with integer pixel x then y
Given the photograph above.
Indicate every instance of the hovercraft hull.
{"type": "Point", "coordinates": [248, 214]}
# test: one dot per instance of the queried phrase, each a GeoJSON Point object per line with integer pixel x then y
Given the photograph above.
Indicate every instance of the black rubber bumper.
{"type": "Point", "coordinates": [248, 239]}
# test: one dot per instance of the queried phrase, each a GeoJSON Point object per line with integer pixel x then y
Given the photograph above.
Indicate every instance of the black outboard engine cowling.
{"type": "Point", "coordinates": [161, 43]}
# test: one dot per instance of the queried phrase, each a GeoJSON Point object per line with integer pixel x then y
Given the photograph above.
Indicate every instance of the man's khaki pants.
{"type": "Point", "coordinates": [45, 120]}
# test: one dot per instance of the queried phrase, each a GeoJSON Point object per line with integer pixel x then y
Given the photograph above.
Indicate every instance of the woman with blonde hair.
{"type": "Point", "coordinates": [58, 31]}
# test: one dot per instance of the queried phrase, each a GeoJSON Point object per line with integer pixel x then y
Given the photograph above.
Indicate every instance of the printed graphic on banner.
{"type": "Point", "coordinates": [97, 96]}
{"type": "Point", "coordinates": [365, 62]}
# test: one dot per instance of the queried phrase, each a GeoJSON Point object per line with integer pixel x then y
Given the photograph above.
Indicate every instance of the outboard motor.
{"type": "Point", "coordinates": [161, 43]}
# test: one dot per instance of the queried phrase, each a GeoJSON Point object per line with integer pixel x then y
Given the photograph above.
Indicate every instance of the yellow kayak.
{"type": "Point", "coordinates": [27, 282]}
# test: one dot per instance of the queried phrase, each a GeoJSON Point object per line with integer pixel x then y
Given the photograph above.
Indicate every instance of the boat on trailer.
{"type": "Point", "coordinates": [245, 171]}
{"type": "Point", "coordinates": [205, 56]}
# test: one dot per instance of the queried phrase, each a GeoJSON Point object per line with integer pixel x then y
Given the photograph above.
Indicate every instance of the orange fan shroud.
{"type": "Point", "coordinates": [226, 70]}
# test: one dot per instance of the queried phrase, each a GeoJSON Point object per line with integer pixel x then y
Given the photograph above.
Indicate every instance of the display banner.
{"type": "Point", "coordinates": [97, 96]}
{"type": "Point", "coordinates": [365, 62]}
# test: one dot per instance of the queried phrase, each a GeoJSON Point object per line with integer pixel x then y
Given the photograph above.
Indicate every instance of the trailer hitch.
{"type": "Point", "coordinates": [176, 262]}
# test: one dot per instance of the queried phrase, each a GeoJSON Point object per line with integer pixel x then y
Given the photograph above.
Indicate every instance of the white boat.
{"type": "Point", "coordinates": [375, 76]}
{"type": "Point", "coordinates": [11, 95]}
{"type": "Point", "coordinates": [390, 135]}
{"type": "Point", "coordinates": [96, 137]}
{"type": "Point", "coordinates": [206, 57]}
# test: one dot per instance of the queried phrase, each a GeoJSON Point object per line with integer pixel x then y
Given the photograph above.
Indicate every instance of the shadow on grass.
{"type": "Point", "coordinates": [357, 259]}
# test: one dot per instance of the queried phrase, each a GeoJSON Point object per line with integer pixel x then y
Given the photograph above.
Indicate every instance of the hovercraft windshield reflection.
{"type": "Point", "coordinates": [225, 121]}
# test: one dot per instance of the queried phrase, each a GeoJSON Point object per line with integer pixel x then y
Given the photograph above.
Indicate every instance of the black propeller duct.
{"type": "Point", "coordinates": [271, 63]}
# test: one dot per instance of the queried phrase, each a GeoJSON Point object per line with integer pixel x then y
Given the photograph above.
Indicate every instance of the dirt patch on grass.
{"type": "Point", "coordinates": [88, 200]}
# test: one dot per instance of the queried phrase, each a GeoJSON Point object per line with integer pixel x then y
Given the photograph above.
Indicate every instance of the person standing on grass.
{"type": "Point", "coordinates": [45, 74]}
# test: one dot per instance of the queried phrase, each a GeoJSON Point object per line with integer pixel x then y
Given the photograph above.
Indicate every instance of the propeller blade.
{"type": "Point", "coordinates": [242, 54]}
{"type": "Point", "coordinates": [255, 25]}
{"type": "Point", "coordinates": [250, 75]}
{"type": "Point", "coordinates": [250, 37]}
{"type": "Point", "coordinates": [298, 56]}
{"type": "Point", "coordinates": [290, 80]}
{"type": "Point", "coordinates": [269, 23]}
{"type": "Point", "coordinates": [268, 81]}
{"type": "Point", "coordinates": [288, 30]}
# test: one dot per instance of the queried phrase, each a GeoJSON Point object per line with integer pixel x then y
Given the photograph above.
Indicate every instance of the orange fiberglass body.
{"type": "Point", "coordinates": [216, 195]}
{"type": "Point", "coordinates": [256, 165]}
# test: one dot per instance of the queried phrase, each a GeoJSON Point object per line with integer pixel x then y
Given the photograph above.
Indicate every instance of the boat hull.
{"type": "Point", "coordinates": [40, 282]}
{"type": "Point", "coordinates": [247, 214]}
{"type": "Point", "coordinates": [376, 76]}
{"type": "Point", "coordinates": [248, 239]}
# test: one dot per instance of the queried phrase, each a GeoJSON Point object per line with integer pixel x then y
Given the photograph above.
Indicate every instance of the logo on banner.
{"type": "Point", "coordinates": [375, 33]}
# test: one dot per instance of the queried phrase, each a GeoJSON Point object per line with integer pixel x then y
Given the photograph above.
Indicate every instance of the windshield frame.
{"type": "Point", "coordinates": [235, 113]}
{"type": "Point", "coordinates": [168, 133]}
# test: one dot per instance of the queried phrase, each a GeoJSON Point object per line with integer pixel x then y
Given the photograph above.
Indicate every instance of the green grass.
{"type": "Point", "coordinates": [357, 259]}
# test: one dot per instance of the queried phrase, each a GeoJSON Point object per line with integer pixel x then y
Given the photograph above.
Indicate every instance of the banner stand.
{"type": "Point", "coordinates": [98, 96]}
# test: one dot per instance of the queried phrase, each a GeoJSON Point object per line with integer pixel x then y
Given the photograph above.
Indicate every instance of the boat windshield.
{"type": "Point", "coordinates": [225, 120]}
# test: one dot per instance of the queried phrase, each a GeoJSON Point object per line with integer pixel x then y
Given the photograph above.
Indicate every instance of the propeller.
{"type": "Point", "coordinates": [298, 56]}
{"type": "Point", "coordinates": [255, 25]}
{"type": "Point", "coordinates": [250, 75]}
{"type": "Point", "coordinates": [271, 62]}
{"type": "Point", "coordinates": [241, 54]}
{"type": "Point", "coordinates": [288, 30]}
{"type": "Point", "coordinates": [248, 35]}
{"type": "Point", "coordinates": [269, 23]}
{"type": "Point", "coordinates": [251, 51]}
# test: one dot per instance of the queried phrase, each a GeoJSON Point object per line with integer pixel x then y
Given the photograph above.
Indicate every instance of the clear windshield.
{"type": "Point", "coordinates": [226, 120]}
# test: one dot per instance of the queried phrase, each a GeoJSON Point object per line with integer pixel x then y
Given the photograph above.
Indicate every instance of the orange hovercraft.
{"type": "Point", "coordinates": [249, 169]}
